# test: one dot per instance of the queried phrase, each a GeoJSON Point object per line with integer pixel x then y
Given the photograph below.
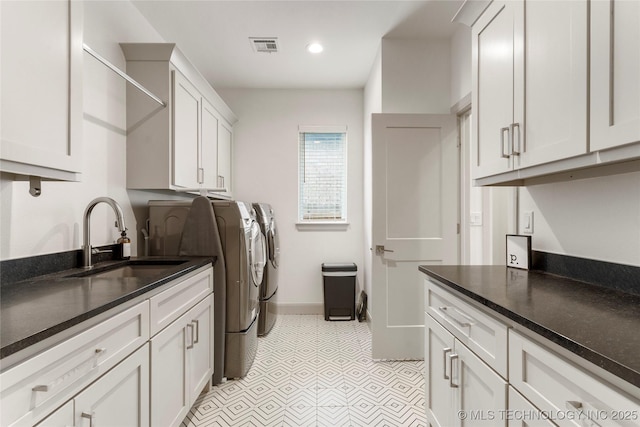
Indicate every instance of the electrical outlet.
{"type": "Point", "coordinates": [527, 222]}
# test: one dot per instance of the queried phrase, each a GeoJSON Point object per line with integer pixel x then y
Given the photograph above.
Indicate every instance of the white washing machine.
{"type": "Point", "coordinates": [269, 287]}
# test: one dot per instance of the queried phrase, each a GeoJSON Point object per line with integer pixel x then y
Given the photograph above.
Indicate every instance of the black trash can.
{"type": "Point", "coordinates": [339, 291]}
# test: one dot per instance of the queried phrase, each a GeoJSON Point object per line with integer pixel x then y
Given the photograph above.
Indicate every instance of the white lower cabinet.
{"type": "Point", "coordinates": [181, 364]}
{"type": "Point", "coordinates": [464, 386]}
{"type": "Point", "coordinates": [119, 398]}
{"type": "Point", "coordinates": [522, 413]}
{"type": "Point", "coordinates": [461, 389]}
{"type": "Point", "coordinates": [112, 374]}
{"type": "Point", "coordinates": [63, 416]}
{"type": "Point", "coordinates": [571, 396]}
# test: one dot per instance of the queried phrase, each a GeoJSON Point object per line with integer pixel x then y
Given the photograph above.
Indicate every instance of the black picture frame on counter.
{"type": "Point", "coordinates": [518, 251]}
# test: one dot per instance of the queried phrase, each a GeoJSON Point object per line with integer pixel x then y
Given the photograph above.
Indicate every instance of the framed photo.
{"type": "Point", "coordinates": [518, 251]}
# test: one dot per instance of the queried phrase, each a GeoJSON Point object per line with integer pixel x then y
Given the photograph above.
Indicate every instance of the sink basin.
{"type": "Point", "coordinates": [131, 271]}
{"type": "Point", "coordinates": [137, 268]}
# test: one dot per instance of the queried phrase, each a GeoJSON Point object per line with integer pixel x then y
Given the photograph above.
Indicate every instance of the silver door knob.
{"type": "Point", "coordinates": [380, 250]}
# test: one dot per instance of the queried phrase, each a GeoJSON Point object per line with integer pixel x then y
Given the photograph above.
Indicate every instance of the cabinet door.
{"type": "Point", "coordinates": [186, 132]}
{"type": "Point", "coordinates": [120, 397]}
{"type": "Point", "coordinates": [496, 47]}
{"type": "Point", "coordinates": [615, 67]}
{"type": "Point", "coordinates": [225, 153]}
{"type": "Point", "coordinates": [169, 393]}
{"type": "Point", "coordinates": [201, 353]}
{"type": "Point", "coordinates": [209, 143]}
{"type": "Point", "coordinates": [556, 44]}
{"type": "Point", "coordinates": [439, 345]}
{"type": "Point", "coordinates": [41, 112]}
{"type": "Point", "coordinates": [63, 416]}
{"type": "Point", "coordinates": [481, 394]}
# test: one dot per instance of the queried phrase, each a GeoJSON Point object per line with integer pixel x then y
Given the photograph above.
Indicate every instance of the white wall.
{"type": "Point", "coordinates": [460, 63]}
{"type": "Point", "coordinates": [596, 218]}
{"type": "Point", "coordinates": [266, 170]}
{"type": "Point", "coordinates": [53, 222]}
{"type": "Point", "coordinates": [372, 104]}
{"type": "Point", "coordinates": [416, 76]}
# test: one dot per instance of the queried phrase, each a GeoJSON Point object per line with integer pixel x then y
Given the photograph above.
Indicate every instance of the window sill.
{"type": "Point", "coordinates": [322, 226]}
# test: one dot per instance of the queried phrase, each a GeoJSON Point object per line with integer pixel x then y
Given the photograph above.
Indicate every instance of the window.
{"type": "Point", "coordinates": [322, 174]}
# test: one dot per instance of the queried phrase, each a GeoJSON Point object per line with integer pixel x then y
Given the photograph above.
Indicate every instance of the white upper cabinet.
{"type": "Point", "coordinates": [209, 145]}
{"type": "Point", "coordinates": [494, 59]}
{"type": "Point", "coordinates": [186, 130]}
{"type": "Point", "coordinates": [615, 67]}
{"type": "Point", "coordinates": [555, 89]}
{"type": "Point", "coordinates": [555, 78]}
{"type": "Point", "coordinates": [41, 80]}
{"type": "Point", "coordinates": [175, 147]}
{"type": "Point", "coordinates": [225, 156]}
{"type": "Point", "coordinates": [529, 79]}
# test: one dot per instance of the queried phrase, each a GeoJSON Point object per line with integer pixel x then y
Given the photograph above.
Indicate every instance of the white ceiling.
{"type": "Point", "coordinates": [214, 35]}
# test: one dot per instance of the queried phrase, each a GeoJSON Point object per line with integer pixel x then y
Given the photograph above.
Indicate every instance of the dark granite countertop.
{"type": "Point", "coordinates": [596, 323]}
{"type": "Point", "coordinates": [35, 309]}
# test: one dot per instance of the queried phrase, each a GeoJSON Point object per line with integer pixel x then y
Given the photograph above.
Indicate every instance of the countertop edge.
{"type": "Point", "coordinates": [12, 348]}
{"type": "Point", "coordinates": [615, 368]}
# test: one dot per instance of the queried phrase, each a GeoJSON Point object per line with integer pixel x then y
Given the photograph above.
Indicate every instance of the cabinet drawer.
{"type": "Point", "coordinates": [570, 395]}
{"type": "Point", "coordinates": [522, 413]}
{"type": "Point", "coordinates": [167, 306]}
{"type": "Point", "coordinates": [34, 388]}
{"type": "Point", "coordinates": [484, 335]}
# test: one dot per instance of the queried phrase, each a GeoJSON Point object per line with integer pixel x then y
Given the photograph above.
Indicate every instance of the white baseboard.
{"type": "Point", "coordinates": [300, 308]}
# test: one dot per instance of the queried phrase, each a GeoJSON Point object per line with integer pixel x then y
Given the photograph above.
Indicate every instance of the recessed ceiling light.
{"type": "Point", "coordinates": [315, 47]}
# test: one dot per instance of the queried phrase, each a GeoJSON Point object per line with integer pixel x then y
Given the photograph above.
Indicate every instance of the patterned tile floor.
{"type": "Point", "coordinates": [309, 372]}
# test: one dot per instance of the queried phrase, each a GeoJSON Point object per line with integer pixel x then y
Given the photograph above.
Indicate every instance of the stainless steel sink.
{"type": "Point", "coordinates": [138, 268]}
{"type": "Point", "coordinates": [132, 271]}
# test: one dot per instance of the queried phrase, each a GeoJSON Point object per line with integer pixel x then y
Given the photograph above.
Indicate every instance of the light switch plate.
{"type": "Point", "coordinates": [518, 251]}
{"type": "Point", "coordinates": [527, 222]}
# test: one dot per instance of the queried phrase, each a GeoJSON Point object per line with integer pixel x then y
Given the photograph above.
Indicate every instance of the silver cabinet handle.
{"type": "Point", "coordinates": [444, 361]}
{"type": "Point", "coordinates": [468, 321]}
{"type": "Point", "coordinates": [72, 372]}
{"type": "Point", "coordinates": [190, 326]}
{"type": "Point", "coordinates": [380, 250]}
{"type": "Point", "coordinates": [452, 357]}
{"type": "Point", "coordinates": [91, 416]}
{"type": "Point", "coordinates": [197, 327]}
{"type": "Point", "coordinates": [502, 131]}
{"type": "Point", "coordinates": [200, 175]}
{"type": "Point", "coordinates": [513, 127]}
{"type": "Point", "coordinates": [585, 413]}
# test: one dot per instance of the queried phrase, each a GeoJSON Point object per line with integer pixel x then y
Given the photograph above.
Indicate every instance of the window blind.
{"type": "Point", "coordinates": [322, 176]}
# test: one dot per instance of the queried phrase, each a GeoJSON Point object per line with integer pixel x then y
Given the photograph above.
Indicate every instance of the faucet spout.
{"type": "Point", "coordinates": [86, 248]}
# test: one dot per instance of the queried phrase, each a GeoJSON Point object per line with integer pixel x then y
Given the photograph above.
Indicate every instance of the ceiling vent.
{"type": "Point", "coordinates": [264, 44]}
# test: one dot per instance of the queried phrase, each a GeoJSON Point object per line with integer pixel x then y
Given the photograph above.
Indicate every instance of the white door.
{"type": "Point", "coordinates": [414, 220]}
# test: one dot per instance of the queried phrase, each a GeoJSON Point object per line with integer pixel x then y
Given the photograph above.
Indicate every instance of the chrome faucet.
{"type": "Point", "coordinates": [86, 248]}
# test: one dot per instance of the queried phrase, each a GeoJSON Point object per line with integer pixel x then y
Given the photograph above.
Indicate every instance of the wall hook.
{"type": "Point", "coordinates": [35, 186]}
